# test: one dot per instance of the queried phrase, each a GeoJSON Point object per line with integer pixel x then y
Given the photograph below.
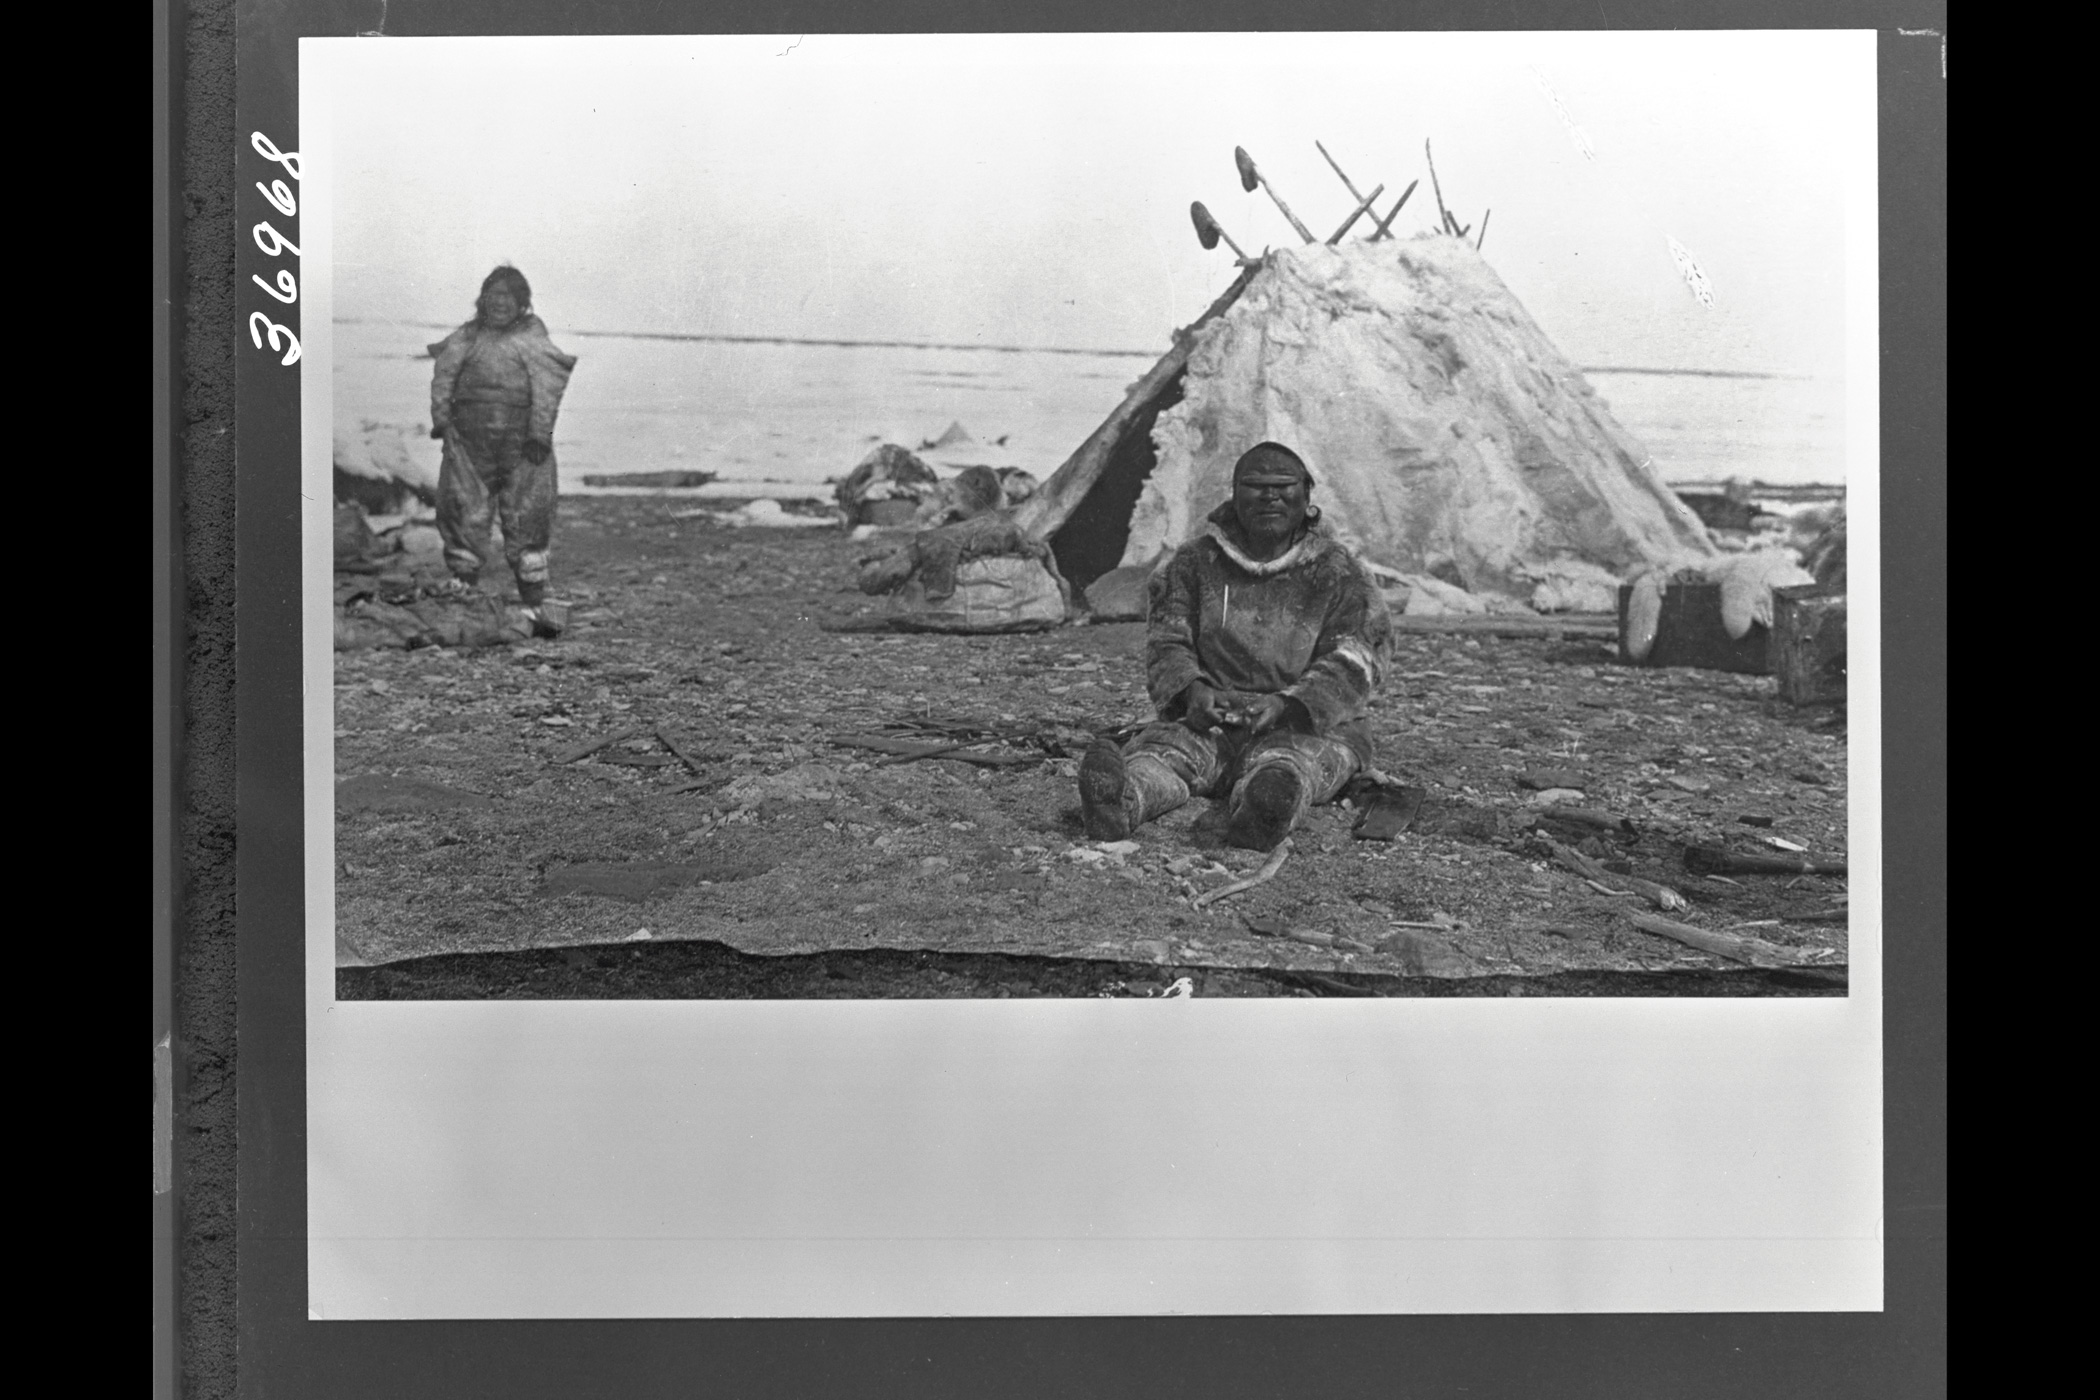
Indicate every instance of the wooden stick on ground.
{"type": "Point", "coordinates": [904, 748]}
{"type": "Point", "coordinates": [591, 746]}
{"type": "Point", "coordinates": [1318, 937]}
{"type": "Point", "coordinates": [1261, 876]}
{"type": "Point", "coordinates": [1754, 951]}
{"type": "Point", "coordinates": [663, 736]}
{"type": "Point", "coordinates": [1565, 627]}
{"type": "Point", "coordinates": [938, 751]}
{"type": "Point", "coordinates": [1708, 860]}
{"type": "Point", "coordinates": [1332, 985]}
{"type": "Point", "coordinates": [1587, 816]}
{"type": "Point", "coordinates": [1661, 896]}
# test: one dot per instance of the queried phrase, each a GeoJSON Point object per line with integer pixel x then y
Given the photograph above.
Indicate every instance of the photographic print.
{"type": "Point", "coordinates": [1038, 675]}
{"type": "Point", "coordinates": [1091, 516]}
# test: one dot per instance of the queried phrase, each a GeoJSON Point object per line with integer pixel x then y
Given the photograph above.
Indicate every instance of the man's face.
{"type": "Point", "coordinates": [1270, 501]}
{"type": "Point", "coordinates": [498, 307]}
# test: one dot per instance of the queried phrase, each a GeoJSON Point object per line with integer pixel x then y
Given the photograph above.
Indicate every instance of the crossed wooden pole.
{"type": "Point", "coordinates": [1383, 224]}
{"type": "Point", "coordinates": [1209, 231]}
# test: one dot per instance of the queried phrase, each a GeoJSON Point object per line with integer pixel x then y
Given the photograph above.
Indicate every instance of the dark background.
{"type": "Point", "coordinates": [230, 1236]}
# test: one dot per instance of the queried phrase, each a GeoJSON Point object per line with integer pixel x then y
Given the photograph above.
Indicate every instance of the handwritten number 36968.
{"type": "Point", "coordinates": [280, 198]}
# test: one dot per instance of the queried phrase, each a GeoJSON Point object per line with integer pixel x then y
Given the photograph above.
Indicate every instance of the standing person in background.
{"type": "Point", "coordinates": [494, 396]}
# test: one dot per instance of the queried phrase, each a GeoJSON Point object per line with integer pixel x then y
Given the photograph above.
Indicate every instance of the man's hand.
{"type": "Point", "coordinates": [535, 451]}
{"type": "Point", "coordinates": [1265, 713]}
{"type": "Point", "coordinates": [1202, 712]}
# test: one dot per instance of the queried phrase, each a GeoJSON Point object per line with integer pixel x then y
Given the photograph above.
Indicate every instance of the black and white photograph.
{"type": "Point", "coordinates": [1086, 674]}
{"type": "Point", "coordinates": [1210, 523]}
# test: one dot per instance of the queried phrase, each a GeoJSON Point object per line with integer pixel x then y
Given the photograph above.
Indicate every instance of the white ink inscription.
{"type": "Point", "coordinates": [278, 195]}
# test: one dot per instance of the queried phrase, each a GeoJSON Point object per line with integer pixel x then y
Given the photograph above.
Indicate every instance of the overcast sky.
{"type": "Point", "coordinates": [1034, 190]}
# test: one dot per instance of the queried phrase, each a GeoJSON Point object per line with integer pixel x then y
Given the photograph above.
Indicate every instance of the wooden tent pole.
{"type": "Point", "coordinates": [1437, 186]}
{"type": "Point", "coordinates": [1362, 207]}
{"type": "Point", "coordinates": [1386, 223]}
{"type": "Point", "coordinates": [1347, 184]}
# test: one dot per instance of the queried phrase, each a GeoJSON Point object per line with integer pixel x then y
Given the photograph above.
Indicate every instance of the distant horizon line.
{"type": "Point", "coordinates": [999, 349]}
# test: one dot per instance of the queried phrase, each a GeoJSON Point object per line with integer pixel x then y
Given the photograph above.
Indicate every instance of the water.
{"type": "Point", "coordinates": [777, 417]}
{"type": "Point", "coordinates": [1707, 428]}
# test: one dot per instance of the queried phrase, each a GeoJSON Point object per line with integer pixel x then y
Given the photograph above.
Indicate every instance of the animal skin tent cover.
{"type": "Point", "coordinates": [1447, 435]}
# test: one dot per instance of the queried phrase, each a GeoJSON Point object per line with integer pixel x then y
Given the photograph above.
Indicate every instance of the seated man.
{"type": "Point", "coordinates": [1264, 641]}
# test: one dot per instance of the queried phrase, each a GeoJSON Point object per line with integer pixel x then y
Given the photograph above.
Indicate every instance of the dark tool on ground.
{"type": "Point", "coordinates": [1387, 810]}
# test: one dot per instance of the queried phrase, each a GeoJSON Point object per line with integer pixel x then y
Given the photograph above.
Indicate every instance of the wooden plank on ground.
{"type": "Point", "coordinates": [905, 748]}
{"type": "Point", "coordinates": [1597, 626]}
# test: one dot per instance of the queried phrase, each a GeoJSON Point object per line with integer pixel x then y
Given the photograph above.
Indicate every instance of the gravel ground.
{"type": "Point", "coordinates": [770, 845]}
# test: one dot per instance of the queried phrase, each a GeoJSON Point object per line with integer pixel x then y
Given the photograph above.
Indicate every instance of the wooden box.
{"type": "Point", "coordinates": [1689, 633]}
{"type": "Point", "coordinates": [1808, 643]}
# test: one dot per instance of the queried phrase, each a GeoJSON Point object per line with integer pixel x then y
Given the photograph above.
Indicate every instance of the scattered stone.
{"type": "Point", "coordinates": [377, 793]}
{"type": "Point", "coordinates": [640, 880]}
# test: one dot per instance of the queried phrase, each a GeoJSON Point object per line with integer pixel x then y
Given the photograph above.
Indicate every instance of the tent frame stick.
{"type": "Point", "coordinates": [1437, 185]}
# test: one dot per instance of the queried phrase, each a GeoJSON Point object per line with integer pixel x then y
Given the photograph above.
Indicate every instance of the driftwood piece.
{"type": "Point", "coordinates": [904, 748]}
{"type": "Point", "coordinates": [1261, 876]}
{"type": "Point", "coordinates": [1333, 986]}
{"type": "Point", "coordinates": [938, 751]}
{"type": "Point", "coordinates": [663, 736]}
{"type": "Point", "coordinates": [591, 746]}
{"type": "Point", "coordinates": [1574, 625]}
{"type": "Point", "coordinates": [1318, 937]}
{"type": "Point", "coordinates": [1661, 896]}
{"type": "Point", "coordinates": [1589, 817]}
{"type": "Point", "coordinates": [1710, 860]}
{"type": "Point", "coordinates": [1754, 951]}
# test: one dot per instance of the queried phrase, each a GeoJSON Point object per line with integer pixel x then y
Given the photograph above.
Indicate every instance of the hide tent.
{"type": "Point", "coordinates": [1448, 437]}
